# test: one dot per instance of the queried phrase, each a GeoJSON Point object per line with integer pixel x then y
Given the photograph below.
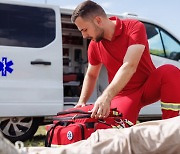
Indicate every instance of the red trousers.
{"type": "Point", "coordinates": [163, 84]}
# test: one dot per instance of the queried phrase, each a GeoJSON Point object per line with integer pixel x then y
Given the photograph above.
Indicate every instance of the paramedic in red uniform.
{"type": "Point", "coordinates": [122, 47]}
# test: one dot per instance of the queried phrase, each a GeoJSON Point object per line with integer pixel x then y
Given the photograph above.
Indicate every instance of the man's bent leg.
{"type": "Point", "coordinates": [170, 93]}
{"type": "Point", "coordinates": [128, 105]}
{"type": "Point", "coordinates": [164, 83]}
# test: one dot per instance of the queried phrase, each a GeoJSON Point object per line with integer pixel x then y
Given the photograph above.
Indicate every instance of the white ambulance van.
{"type": "Point", "coordinates": [43, 59]}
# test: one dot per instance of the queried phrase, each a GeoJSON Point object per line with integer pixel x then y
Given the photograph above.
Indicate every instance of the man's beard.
{"type": "Point", "coordinates": [100, 35]}
{"type": "Point", "coordinates": [98, 38]}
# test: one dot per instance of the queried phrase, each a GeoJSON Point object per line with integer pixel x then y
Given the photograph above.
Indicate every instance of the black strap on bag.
{"type": "Point", "coordinates": [50, 132]}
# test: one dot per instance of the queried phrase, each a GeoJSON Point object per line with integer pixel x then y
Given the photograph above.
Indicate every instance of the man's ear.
{"type": "Point", "coordinates": [98, 20]}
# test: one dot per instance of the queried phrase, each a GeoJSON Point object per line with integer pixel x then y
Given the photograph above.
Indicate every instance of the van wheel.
{"type": "Point", "coordinates": [19, 128]}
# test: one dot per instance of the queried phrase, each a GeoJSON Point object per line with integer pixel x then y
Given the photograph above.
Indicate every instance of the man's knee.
{"type": "Point", "coordinates": [169, 73]}
{"type": "Point", "coordinates": [170, 82]}
{"type": "Point", "coordinates": [168, 68]}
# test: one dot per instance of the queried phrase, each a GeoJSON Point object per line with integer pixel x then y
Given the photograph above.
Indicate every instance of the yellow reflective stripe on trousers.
{"type": "Point", "coordinates": [170, 106]}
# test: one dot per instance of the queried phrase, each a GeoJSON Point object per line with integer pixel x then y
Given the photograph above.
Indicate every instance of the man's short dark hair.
{"type": "Point", "coordinates": [87, 10]}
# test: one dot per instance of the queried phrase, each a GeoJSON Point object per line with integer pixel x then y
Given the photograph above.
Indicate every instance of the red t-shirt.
{"type": "Point", "coordinates": [111, 53]}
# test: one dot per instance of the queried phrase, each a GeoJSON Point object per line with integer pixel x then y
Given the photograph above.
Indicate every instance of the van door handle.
{"type": "Point", "coordinates": [40, 63]}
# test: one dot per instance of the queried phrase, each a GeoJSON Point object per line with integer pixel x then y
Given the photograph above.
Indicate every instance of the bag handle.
{"type": "Point", "coordinates": [77, 116]}
{"type": "Point", "coordinates": [113, 112]}
{"type": "Point", "coordinates": [72, 111]}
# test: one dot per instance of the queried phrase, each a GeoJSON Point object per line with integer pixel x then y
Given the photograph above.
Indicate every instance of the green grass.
{"type": "Point", "coordinates": [157, 52]}
{"type": "Point", "coordinates": [38, 139]}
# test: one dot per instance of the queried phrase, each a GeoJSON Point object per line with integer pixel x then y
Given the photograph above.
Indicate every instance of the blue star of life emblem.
{"type": "Point", "coordinates": [69, 135]}
{"type": "Point", "coordinates": [5, 66]}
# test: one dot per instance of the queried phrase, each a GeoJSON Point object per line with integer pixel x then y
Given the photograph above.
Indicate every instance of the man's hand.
{"type": "Point", "coordinates": [101, 107]}
{"type": "Point", "coordinates": [80, 104]}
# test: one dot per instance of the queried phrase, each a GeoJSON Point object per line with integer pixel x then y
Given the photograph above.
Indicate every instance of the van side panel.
{"type": "Point", "coordinates": [31, 80]}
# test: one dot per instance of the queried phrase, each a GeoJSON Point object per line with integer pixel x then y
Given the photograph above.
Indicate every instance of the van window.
{"type": "Point", "coordinates": [25, 26]}
{"type": "Point", "coordinates": [161, 43]}
{"type": "Point", "coordinates": [172, 48]}
{"type": "Point", "coordinates": [154, 39]}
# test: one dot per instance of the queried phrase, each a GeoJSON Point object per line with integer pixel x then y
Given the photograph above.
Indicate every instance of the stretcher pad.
{"type": "Point", "coordinates": [160, 136]}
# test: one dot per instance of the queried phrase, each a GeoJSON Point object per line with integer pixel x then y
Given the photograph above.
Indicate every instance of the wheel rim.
{"type": "Point", "coordinates": [15, 126]}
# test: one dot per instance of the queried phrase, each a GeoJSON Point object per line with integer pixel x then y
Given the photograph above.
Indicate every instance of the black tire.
{"type": "Point", "coordinates": [19, 128]}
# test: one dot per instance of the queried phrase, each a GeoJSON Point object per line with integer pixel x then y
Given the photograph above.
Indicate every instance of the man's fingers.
{"type": "Point", "coordinates": [83, 105]}
{"type": "Point", "coordinates": [106, 114]}
{"type": "Point", "coordinates": [102, 113]}
{"type": "Point", "coordinates": [79, 105]}
{"type": "Point", "coordinates": [99, 111]}
{"type": "Point", "coordinates": [94, 111]}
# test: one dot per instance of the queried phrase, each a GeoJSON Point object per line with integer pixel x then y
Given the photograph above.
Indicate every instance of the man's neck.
{"type": "Point", "coordinates": [109, 29]}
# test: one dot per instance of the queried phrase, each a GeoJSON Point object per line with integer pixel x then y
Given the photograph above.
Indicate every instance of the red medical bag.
{"type": "Point", "coordinates": [76, 124]}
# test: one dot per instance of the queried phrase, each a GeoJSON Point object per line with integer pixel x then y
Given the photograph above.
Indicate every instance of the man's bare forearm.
{"type": "Point", "coordinates": [89, 82]}
{"type": "Point", "coordinates": [125, 72]}
{"type": "Point", "coordinates": [87, 89]}
{"type": "Point", "coordinates": [120, 80]}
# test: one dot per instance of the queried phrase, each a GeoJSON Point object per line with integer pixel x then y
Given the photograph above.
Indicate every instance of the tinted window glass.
{"type": "Point", "coordinates": [172, 47]}
{"type": "Point", "coordinates": [25, 26]}
{"type": "Point", "coordinates": [154, 39]}
{"type": "Point", "coordinates": [161, 43]}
